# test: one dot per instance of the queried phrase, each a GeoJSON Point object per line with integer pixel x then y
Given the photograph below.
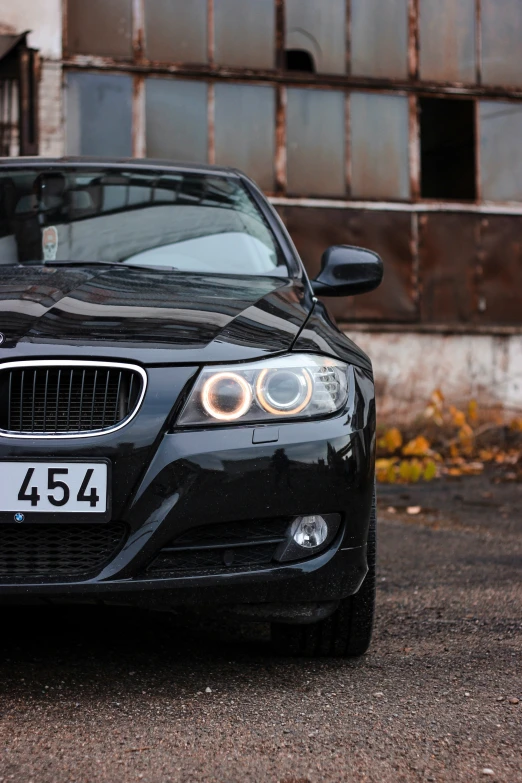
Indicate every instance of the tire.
{"type": "Point", "coordinates": [348, 631]}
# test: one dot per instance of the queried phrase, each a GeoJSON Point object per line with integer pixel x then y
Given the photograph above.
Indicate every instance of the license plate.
{"type": "Point", "coordinates": [53, 487]}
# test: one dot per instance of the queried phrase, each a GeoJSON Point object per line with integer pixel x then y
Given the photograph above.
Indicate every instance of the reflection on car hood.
{"type": "Point", "coordinates": [149, 315]}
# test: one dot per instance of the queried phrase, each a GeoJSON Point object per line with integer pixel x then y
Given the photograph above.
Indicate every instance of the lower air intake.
{"type": "Point", "coordinates": [57, 551]}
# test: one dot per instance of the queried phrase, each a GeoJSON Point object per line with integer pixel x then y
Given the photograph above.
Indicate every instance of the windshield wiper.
{"type": "Point", "coordinates": [81, 263]}
{"type": "Point", "coordinates": [110, 263]}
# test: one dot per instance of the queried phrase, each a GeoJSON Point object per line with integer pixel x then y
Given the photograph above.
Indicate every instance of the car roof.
{"type": "Point", "coordinates": [136, 164]}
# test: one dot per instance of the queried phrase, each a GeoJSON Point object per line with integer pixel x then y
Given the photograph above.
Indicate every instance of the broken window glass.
{"type": "Point", "coordinates": [447, 147]}
{"type": "Point", "coordinates": [316, 35]}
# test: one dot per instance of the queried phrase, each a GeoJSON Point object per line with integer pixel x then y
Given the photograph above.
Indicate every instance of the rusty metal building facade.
{"type": "Point", "coordinates": [394, 124]}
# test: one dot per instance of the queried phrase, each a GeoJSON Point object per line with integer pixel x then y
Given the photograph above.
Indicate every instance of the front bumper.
{"type": "Point", "coordinates": [202, 477]}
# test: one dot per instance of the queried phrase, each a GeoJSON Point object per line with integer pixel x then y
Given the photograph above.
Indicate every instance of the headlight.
{"type": "Point", "coordinates": [294, 386]}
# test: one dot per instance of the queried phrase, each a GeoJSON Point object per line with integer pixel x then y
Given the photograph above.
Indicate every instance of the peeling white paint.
{"type": "Point", "coordinates": [409, 366]}
{"type": "Point", "coordinates": [42, 17]}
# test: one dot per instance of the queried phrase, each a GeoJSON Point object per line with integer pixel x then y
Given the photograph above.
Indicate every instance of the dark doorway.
{"type": "Point", "coordinates": [447, 142]}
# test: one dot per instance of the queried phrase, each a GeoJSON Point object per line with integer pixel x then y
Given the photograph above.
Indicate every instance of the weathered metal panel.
{"type": "Point", "coordinates": [448, 267]}
{"type": "Point", "coordinates": [501, 33]}
{"type": "Point", "coordinates": [379, 43]}
{"type": "Point", "coordinates": [500, 150]}
{"type": "Point", "coordinates": [389, 234]}
{"type": "Point", "coordinates": [168, 40]}
{"type": "Point", "coordinates": [245, 33]}
{"type": "Point", "coordinates": [379, 145]}
{"type": "Point", "coordinates": [100, 27]}
{"type": "Point", "coordinates": [447, 40]}
{"type": "Point", "coordinates": [318, 28]}
{"type": "Point", "coordinates": [245, 130]}
{"type": "Point", "coordinates": [99, 114]}
{"type": "Point", "coordinates": [315, 129]}
{"type": "Point", "coordinates": [176, 119]}
{"type": "Point", "coordinates": [500, 278]}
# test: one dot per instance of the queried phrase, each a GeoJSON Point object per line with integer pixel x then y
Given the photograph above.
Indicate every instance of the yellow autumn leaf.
{"type": "Point", "coordinates": [458, 417]}
{"type": "Point", "coordinates": [415, 471]}
{"type": "Point", "coordinates": [472, 410]}
{"type": "Point", "coordinates": [435, 407]}
{"type": "Point", "coordinates": [391, 475]}
{"type": "Point", "coordinates": [516, 425]}
{"type": "Point", "coordinates": [418, 447]}
{"type": "Point", "coordinates": [430, 470]}
{"type": "Point", "coordinates": [404, 470]}
{"type": "Point", "coordinates": [393, 439]}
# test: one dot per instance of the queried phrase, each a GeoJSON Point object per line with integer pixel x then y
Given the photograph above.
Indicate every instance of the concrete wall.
{"type": "Point", "coordinates": [409, 366]}
{"type": "Point", "coordinates": [44, 19]}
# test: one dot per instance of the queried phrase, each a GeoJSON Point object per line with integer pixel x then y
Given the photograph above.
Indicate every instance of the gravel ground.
{"type": "Point", "coordinates": [438, 698]}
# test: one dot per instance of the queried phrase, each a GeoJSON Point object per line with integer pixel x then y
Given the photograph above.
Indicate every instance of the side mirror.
{"type": "Point", "coordinates": [347, 270]}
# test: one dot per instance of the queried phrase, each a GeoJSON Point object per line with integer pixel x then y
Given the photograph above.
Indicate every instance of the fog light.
{"type": "Point", "coordinates": [309, 532]}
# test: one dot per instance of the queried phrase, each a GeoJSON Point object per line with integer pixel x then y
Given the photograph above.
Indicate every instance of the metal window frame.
{"type": "Point", "coordinates": [139, 68]}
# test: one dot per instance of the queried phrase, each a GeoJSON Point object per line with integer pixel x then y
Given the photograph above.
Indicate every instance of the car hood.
{"type": "Point", "coordinates": [148, 315]}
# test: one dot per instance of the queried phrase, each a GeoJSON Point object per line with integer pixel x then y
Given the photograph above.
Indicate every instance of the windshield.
{"type": "Point", "coordinates": [180, 221]}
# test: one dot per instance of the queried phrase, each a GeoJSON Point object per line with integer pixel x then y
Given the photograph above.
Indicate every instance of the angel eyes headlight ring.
{"type": "Point", "coordinates": [228, 384]}
{"type": "Point", "coordinates": [302, 396]}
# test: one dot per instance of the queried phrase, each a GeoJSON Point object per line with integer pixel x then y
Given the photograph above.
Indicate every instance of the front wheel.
{"type": "Point", "coordinates": [348, 631]}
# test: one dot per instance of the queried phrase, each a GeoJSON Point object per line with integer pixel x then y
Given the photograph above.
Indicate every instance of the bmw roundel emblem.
{"type": "Point", "coordinates": [19, 517]}
{"type": "Point", "coordinates": [2, 338]}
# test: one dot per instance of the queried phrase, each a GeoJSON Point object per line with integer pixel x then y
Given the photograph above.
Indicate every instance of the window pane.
{"type": "Point", "coordinates": [245, 130]}
{"type": "Point", "coordinates": [501, 150]}
{"type": "Point", "coordinates": [245, 33]}
{"type": "Point", "coordinates": [315, 143]}
{"type": "Point", "coordinates": [380, 38]}
{"type": "Point", "coordinates": [176, 30]}
{"type": "Point", "coordinates": [318, 28]}
{"type": "Point", "coordinates": [447, 40]}
{"type": "Point", "coordinates": [176, 119]}
{"type": "Point", "coordinates": [447, 148]}
{"type": "Point", "coordinates": [99, 114]}
{"type": "Point", "coordinates": [501, 36]}
{"type": "Point", "coordinates": [379, 146]}
{"type": "Point", "coordinates": [100, 27]}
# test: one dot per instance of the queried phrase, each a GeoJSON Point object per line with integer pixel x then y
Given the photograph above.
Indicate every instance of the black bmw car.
{"type": "Point", "coordinates": [180, 421]}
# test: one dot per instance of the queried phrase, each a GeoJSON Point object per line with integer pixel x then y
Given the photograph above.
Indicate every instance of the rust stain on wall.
{"type": "Point", "coordinates": [500, 277]}
{"type": "Point", "coordinates": [447, 267]}
{"type": "Point", "coordinates": [389, 234]}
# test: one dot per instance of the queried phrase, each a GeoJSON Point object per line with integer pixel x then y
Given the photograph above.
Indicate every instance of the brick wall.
{"type": "Point", "coordinates": [52, 141]}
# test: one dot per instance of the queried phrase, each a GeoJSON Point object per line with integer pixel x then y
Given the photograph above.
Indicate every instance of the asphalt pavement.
{"type": "Point", "coordinates": [93, 694]}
